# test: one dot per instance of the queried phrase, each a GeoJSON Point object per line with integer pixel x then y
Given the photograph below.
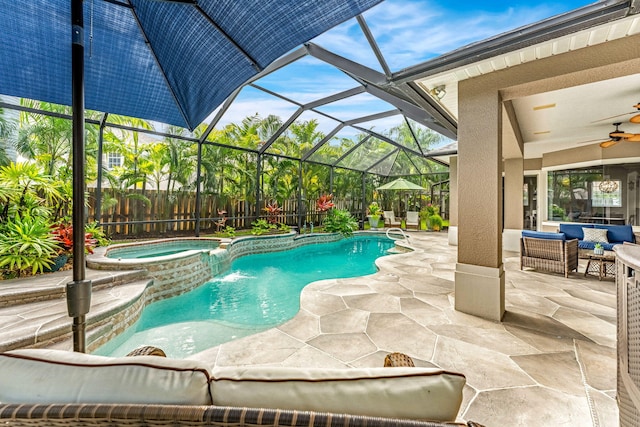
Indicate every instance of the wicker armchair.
{"type": "Point", "coordinates": [558, 256]}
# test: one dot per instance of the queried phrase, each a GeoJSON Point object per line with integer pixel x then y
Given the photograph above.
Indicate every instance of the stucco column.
{"type": "Point", "coordinates": [453, 201]}
{"type": "Point", "coordinates": [513, 206]}
{"type": "Point", "coordinates": [479, 275]}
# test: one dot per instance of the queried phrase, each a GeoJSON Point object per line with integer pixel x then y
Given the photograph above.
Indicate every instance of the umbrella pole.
{"type": "Point", "coordinates": [79, 290]}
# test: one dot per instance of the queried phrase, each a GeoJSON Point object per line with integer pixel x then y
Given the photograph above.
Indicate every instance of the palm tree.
{"type": "Point", "coordinates": [8, 127]}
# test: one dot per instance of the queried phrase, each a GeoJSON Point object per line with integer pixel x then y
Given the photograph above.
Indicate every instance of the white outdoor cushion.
{"type": "Point", "coordinates": [415, 393]}
{"type": "Point", "coordinates": [56, 376]}
{"type": "Point", "coordinates": [598, 235]}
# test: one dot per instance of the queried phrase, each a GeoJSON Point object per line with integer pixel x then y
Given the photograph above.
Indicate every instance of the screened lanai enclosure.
{"type": "Point", "coordinates": [143, 177]}
{"type": "Point", "coordinates": [273, 147]}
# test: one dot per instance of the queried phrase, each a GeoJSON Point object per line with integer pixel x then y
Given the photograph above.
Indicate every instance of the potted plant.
{"type": "Point", "coordinates": [427, 213]}
{"type": "Point", "coordinates": [436, 222]}
{"type": "Point", "coordinates": [598, 249]}
{"type": "Point", "coordinates": [374, 215]}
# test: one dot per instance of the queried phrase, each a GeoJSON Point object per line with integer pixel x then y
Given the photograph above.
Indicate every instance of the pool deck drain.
{"type": "Point", "coordinates": [552, 361]}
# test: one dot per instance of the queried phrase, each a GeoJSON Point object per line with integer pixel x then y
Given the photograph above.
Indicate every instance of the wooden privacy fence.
{"type": "Point", "coordinates": [137, 213]}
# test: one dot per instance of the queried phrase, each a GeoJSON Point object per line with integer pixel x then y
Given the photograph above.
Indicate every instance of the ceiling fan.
{"type": "Point", "coordinates": [618, 135]}
{"type": "Point", "coordinates": [634, 119]}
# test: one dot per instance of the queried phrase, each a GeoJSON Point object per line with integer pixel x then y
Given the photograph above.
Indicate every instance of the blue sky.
{"type": "Point", "coordinates": [408, 32]}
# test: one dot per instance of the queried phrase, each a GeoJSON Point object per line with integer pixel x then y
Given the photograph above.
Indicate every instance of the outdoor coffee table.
{"type": "Point", "coordinates": [601, 264]}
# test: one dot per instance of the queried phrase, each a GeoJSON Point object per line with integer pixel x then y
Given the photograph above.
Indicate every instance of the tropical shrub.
{"type": "Point", "coordinates": [26, 243]}
{"type": "Point", "coordinates": [436, 222]}
{"type": "Point", "coordinates": [284, 227]}
{"type": "Point", "coordinates": [340, 221]}
{"type": "Point", "coordinates": [324, 202]}
{"type": "Point", "coordinates": [261, 226]}
{"type": "Point", "coordinates": [230, 231]}
{"type": "Point", "coordinates": [97, 233]}
{"type": "Point", "coordinates": [63, 233]}
{"type": "Point", "coordinates": [273, 210]}
{"type": "Point", "coordinates": [374, 209]}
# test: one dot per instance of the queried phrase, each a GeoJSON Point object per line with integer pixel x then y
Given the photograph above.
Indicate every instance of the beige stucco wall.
{"type": "Point", "coordinates": [479, 173]}
{"type": "Point", "coordinates": [479, 273]}
{"type": "Point", "coordinates": [453, 191]}
{"type": "Point", "coordinates": [591, 154]}
{"type": "Point", "coordinates": [513, 183]}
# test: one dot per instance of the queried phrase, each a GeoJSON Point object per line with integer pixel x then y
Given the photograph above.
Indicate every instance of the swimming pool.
{"type": "Point", "coordinates": [160, 248]}
{"type": "Point", "coordinates": [258, 292]}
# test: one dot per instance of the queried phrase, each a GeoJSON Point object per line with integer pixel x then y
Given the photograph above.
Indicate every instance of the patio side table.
{"type": "Point", "coordinates": [602, 265]}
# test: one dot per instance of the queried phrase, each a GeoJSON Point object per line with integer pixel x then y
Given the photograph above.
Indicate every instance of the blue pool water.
{"type": "Point", "coordinates": [160, 248]}
{"type": "Point", "coordinates": [257, 293]}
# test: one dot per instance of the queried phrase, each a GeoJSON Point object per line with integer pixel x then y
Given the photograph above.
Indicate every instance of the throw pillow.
{"type": "Point", "coordinates": [595, 235]}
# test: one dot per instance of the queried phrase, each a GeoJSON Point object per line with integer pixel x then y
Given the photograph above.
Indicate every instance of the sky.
{"type": "Point", "coordinates": [407, 32]}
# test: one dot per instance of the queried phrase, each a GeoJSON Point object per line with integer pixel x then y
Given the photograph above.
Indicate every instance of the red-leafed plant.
{"type": "Point", "coordinates": [325, 202]}
{"type": "Point", "coordinates": [273, 210]}
{"type": "Point", "coordinates": [64, 235]}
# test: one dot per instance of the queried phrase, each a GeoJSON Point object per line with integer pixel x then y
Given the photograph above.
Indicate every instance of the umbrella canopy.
{"type": "Point", "coordinates": [169, 61]}
{"type": "Point", "coordinates": [401, 184]}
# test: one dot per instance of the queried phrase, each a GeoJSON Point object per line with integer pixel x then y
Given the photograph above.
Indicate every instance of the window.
{"type": "Point", "coordinates": [114, 160]}
{"type": "Point", "coordinates": [605, 195]}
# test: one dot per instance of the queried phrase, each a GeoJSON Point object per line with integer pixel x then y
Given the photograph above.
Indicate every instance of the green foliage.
{"type": "Point", "coordinates": [230, 231]}
{"type": "Point", "coordinates": [557, 211]}
{"type": "Point", "coordinates": [436, 222]}
{"type": "Point", "coordinates": [26, 243]}
{"type": "Point", "coordinates": [284, 227]}
{"type": "Point", "coordinates": [97, 233]}
{"type": "Point", "coordinates": [261, 226]}
{"type": "Point", "coordinates": [374, 209]}
{"type": "Point", "coordinates": [340, 221]}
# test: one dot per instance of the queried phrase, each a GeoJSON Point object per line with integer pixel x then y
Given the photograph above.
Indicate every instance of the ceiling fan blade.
{"type": "Point", "coordinates": [607, 144]}
{"type": "Point", "coordinates": [621, 134]}
{"type": "Point", "coordinates": [613, 117]}
{"type": "Point", "coordinates": [634, 138]}
{"type": "Point", "coordinates": [635, 119]}
{"type": "Point", "coordinates": [589, 141]}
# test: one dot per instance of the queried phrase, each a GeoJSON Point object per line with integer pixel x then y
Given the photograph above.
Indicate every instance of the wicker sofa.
{"type": "Point", "coordinates": [612, 235]}
{"type": "Point", "coordinates": [49, 387]}
{"type": "Point", "coordinates": [548, 251]}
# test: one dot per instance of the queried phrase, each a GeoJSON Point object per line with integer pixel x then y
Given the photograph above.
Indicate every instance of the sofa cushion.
{"type": "Point", "coordinates": [415, 393]}
{"type": "Point", "coordinates": [618, 233]}
{"type": "Point", "coordinates": [56, 376]}
{"type": "Point", "coordinates": [583, 244]}
{"type": "Point", "coordinates": [596, 235]}
{"type": "Point", "coordinates": [574, 231]}
{"type": "Point", "coordinates": [543, 235]}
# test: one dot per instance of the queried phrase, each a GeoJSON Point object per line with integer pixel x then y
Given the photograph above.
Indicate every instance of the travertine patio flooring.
{"type": "Point", "coordinates": [551, 362]}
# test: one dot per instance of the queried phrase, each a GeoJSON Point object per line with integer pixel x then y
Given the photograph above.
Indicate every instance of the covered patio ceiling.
{"type": "Point", "coordinates": [548, 119]}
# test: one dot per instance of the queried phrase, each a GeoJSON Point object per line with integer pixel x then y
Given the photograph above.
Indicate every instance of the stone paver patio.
{"type": "Point", "coordinates": [551, 362]}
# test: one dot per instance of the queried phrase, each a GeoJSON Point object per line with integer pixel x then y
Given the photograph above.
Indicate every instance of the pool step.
{"type": "Point", "coordinates": [45, 323]}
{"type": "Point", "coordinates": [397, 250]}
{"type": "Point", "coordinates": [52, 286]}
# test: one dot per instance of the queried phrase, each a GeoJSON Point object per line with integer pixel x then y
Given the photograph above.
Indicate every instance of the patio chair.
{"type": "Point", "coordinates": [390, 219]}
{"type": "Point", "coordinates": [548, 251]}
{"type": "Point", "coordinates": [413, 220]}
{"type": "Point", "coordinates": [222, 222]}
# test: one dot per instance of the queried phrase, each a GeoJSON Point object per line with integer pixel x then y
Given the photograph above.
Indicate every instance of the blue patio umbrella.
{"type": "Point", "coordinates": [168, 61]}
